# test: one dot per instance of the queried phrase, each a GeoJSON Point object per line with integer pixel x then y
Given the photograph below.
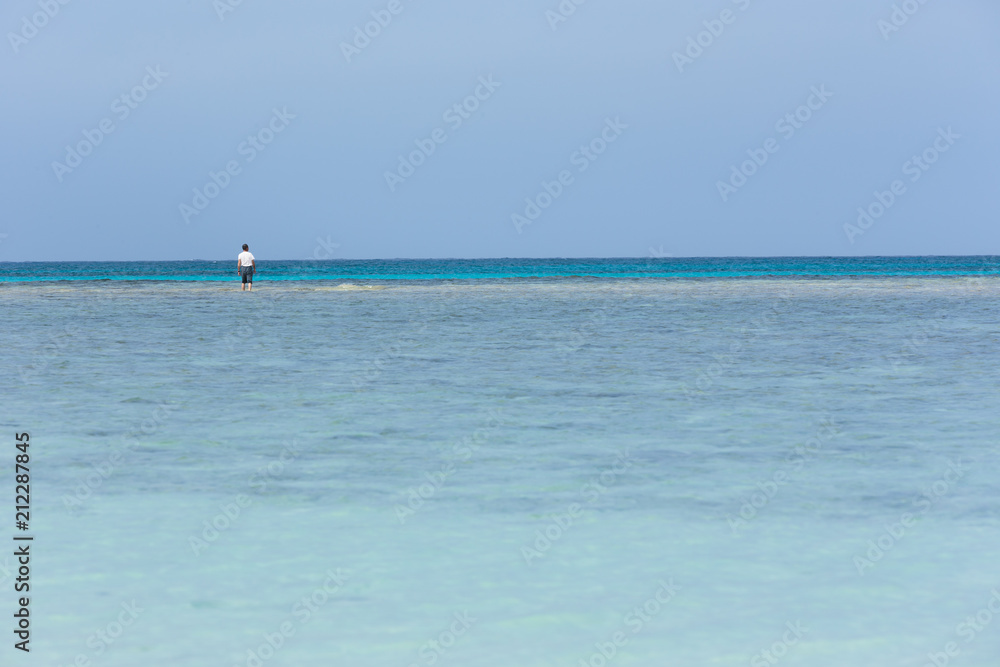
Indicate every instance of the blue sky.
{"type": "Point", "coordinates": [555, 87]}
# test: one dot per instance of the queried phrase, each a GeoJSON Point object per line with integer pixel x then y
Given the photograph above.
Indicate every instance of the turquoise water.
{"type": "Point", "coordinates": [509, 471]}
{"type": "Point", "coordinates": [465, 269]}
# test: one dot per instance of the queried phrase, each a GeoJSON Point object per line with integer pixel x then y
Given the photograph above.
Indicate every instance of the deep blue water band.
{"type": "Point", "coordinates": [494, 269]}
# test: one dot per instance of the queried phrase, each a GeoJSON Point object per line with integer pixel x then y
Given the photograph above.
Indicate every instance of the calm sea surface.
{"type": "Point", "coordinates": [649, 462]}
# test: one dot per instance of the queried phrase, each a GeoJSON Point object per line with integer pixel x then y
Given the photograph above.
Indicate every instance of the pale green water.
{"type": "Point", "coordinates": [706, 387]}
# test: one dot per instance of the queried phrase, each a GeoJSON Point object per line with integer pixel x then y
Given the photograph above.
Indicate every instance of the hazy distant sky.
{"type": "Point", "coordinates": [554, 86]}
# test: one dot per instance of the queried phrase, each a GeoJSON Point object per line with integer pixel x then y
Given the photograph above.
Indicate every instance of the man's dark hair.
{"type": "Point", "coordinates": [246, 247]}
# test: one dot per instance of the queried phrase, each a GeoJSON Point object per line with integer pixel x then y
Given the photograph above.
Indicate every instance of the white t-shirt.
{"type": "Point", "coordinates": [245, 258]}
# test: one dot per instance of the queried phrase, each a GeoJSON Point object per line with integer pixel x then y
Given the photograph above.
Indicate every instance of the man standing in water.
{"type": "Point", "coordinates": [245, 266]}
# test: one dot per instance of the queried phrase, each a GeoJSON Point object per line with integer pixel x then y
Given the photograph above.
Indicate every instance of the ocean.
{"type": "Point", "coordinates": [470, 463]}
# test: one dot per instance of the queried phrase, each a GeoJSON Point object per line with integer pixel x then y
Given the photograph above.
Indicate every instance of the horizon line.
{"type": "Point", "coordinates": [477, 259]}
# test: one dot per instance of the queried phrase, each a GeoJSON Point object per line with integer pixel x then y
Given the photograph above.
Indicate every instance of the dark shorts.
{"type": "Point", "coordinates": [247, 273]}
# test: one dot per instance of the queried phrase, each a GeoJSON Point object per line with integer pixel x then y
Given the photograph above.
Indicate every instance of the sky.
{"type": "Point", "coordinates": [167, 130]}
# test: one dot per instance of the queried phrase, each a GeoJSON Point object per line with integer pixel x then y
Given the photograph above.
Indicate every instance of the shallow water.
{"type": "Point", "coordinates": [433, 433]}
